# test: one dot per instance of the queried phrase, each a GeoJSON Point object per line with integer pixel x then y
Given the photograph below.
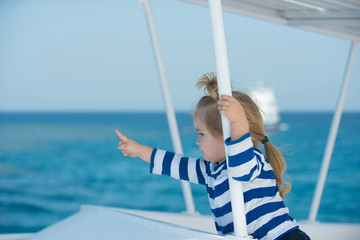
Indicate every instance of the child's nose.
{"type": "Point", "coordinates": [198, 142]}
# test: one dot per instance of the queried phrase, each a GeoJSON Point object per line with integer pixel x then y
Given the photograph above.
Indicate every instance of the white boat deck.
{"type": "Point", "coordinates": [95, 222]}
{"type": "Point", "coordinates": [316, 231]}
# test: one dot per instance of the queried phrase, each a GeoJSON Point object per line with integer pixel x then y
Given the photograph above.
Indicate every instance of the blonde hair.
{"type": "Point", "coordinates": [210, 115]}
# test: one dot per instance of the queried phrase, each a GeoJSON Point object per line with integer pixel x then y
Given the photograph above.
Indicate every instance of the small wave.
{"type": "Point", "coordinates": [26, 207]}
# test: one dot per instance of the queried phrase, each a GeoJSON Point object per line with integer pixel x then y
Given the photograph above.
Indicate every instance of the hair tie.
{"type": "Point", "coordinates": [265, 140]}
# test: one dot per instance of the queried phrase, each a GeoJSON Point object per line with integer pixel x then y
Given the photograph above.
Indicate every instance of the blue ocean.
{"type": "Point", "coordinates": [52, 163]}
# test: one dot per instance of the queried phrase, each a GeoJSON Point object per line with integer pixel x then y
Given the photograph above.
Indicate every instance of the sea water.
{"type": "Point", "coordinates": [52, 163]}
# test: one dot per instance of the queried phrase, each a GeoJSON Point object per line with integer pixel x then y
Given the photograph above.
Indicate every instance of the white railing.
{"type": "Point", "coordinates": [170, 113]}
{"type": "Point", "coordinates": [332, 137]}
{"type": "Point", "coordinates": [224, 86]}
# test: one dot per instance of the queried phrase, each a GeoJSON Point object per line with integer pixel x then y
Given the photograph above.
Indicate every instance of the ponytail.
{"type": "Point", "coordinates": [278, 165]}
{"type": "Point", "coordinates": [209, 82]}
{"type": "Point", "coordinates": [257, 133]}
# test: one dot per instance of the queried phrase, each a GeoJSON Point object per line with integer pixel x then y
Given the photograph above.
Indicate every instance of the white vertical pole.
{"type": "Point", "coordinates": [224, 85]}
{"type": "Point", "coordinates": [175, 136]}
{"type": "Point", "coordinates": [332, 137]}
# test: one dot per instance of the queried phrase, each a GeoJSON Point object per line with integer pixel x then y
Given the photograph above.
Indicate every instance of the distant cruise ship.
{"type": "Point", "coordinates": [265, 99]}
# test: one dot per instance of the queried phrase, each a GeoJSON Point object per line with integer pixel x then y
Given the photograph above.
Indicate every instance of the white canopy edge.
{"type": "Point", "coordinates": [332, 17]}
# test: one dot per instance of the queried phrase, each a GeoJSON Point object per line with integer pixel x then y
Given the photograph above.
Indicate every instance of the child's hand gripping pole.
{"type": "Point", "coordinates": [232, 109]}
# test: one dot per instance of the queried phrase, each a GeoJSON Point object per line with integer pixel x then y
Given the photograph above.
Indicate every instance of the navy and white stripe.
{"type": "Point", "coordinates": [177, 166]}
{"type": "Point", "coordinates": [266, 215]}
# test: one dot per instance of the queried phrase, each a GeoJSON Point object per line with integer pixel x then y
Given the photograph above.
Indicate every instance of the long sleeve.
{"type": "Point", "coordinates": [267, 217]}
{"type": "Point", "coordinates": [178, 167]}
{"type": "Point", "coordinates": [244, 164]}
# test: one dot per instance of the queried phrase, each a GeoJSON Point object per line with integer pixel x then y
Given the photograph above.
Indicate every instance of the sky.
{"type": "Point", "coordinates": [96, 55]}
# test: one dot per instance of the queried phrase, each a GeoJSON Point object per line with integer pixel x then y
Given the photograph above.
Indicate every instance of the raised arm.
{"type": "Point", "coordinates": [233, 110]}
{"type": "Point", "coordinates": [133, 149]}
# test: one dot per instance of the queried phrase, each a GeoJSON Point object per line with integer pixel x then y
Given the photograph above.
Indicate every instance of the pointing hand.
{"type": "Point", "coordinates": [127, 146]}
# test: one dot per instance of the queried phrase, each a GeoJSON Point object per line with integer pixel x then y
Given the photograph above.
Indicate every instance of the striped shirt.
{"type": "Point", "coordinates": [266, 215]}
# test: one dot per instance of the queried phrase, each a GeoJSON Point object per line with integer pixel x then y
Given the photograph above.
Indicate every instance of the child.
{"type": "Point", "coordinates": [266, 215]}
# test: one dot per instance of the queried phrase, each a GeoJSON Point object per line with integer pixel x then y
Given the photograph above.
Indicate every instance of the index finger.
{"type": "Point", "coordinates": [121, 136]}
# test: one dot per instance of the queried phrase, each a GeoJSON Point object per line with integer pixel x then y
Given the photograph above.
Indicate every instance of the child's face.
{"type": "Point", "coordinates": [212, 148]}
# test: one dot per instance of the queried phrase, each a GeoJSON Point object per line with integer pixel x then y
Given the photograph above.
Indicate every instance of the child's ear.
{"type": "Point", "coordinates": [220, 137]}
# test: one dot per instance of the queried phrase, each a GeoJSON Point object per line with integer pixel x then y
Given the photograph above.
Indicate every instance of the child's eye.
{"type": "Point", "coordinates": [200, 134]}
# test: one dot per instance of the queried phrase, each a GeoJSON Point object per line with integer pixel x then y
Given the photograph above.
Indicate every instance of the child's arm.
{"type": "Point", "coordinates": [133, 149]}
{"type": "Point", "coordinates": [165, 163]}
{"type": "Point", "coordinates": [233, 110]}
{"type": "Point", "coordinates": [248, 166]}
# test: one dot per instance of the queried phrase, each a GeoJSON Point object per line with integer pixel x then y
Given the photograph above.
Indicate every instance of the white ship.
{"type": "Point", "coordinates": [264, 97]}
